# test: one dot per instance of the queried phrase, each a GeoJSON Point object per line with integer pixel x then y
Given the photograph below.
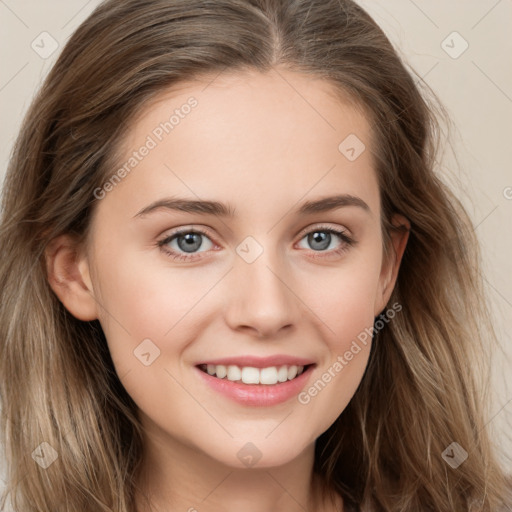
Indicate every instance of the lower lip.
{"type": "Point", "coordinates": [259, 395]}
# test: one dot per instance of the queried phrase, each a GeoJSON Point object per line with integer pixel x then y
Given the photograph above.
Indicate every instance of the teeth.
{"type": "Point", "coordinates": [282, 374]}
{"type": "Point", "coordinates": [268, 375]}
{"type": "Point", "coordinates": [250, 375]}
{"type": "Point", "coordinates": [234, 373]}
{"type": "Point", "coordinates": [292, 372]}
{"type": "Point", "coordinates": [221, 371]}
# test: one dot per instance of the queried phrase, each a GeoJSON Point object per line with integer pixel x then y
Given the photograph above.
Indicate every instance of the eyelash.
{"type": "Point", "coordinates": [347, 242]}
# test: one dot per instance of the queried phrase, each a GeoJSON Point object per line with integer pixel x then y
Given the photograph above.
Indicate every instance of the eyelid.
{"type": "Point", "coordinates": [342, 232]}
{"type": "Point", "coordinates": [301, 234]}
{"type": "Point", "coordinates": [323, 226]}
{"type": "Point", "coordinates": [184, 230]}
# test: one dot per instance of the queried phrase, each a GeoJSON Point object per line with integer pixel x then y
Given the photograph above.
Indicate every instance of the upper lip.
{"type": "Point", "coordinates": [259, 362]}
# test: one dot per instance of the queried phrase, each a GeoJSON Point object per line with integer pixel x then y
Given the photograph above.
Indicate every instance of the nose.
{"type": "Point", "coordinates": [261, 298]}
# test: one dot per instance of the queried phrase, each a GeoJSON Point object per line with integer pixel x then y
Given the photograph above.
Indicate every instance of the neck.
{"type": "Point", "coordinates": [177, 477]}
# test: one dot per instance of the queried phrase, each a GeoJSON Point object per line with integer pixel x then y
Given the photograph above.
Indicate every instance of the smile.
{"type": "Point", "coordinates": [256, 382]}
{"type": "Point", "coordinates": [250, 375]}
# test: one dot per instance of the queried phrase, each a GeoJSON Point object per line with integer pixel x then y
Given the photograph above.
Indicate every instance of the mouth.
{"type": "Point", "coordinates": [257, 382]}
{"type": "Point", "coordinates": [267, 376]}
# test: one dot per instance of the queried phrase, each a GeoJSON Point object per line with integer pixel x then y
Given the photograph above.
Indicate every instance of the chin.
{"type": "Point", "coordinates": [259, 453]}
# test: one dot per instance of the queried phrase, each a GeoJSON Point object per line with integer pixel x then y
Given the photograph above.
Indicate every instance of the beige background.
{"type": "Point", "coordinates": [475, 86]}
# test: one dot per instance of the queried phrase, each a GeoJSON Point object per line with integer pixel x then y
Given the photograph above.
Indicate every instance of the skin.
{"type": "Point", "coordinates": [265, 148]}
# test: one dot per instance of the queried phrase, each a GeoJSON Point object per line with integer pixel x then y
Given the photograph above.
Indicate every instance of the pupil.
{"type": "Point", "coordinates": [317, 236]}
{"type": "Point", "coordinates": [193, 242]}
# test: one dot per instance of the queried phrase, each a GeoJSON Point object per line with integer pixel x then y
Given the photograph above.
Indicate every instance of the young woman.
{"type": "Point", "coordinates": [231, 278]}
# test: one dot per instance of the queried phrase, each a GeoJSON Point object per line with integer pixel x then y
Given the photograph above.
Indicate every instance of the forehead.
{"type": "Point", "coordinates": [249, 137]}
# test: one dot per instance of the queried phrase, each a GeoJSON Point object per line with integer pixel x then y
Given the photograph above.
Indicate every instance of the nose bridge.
{"type": "Point", "coordinates": [261, 297]}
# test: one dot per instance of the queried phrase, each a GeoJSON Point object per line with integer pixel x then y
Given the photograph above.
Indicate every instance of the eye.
{"type": "Point", "coordinates": [184, 244]}
{"type": "Point", "coordinates": [321, 239]}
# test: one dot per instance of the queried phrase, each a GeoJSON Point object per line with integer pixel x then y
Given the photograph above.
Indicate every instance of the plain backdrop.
{"type": "Point", "coordinates": [460, 48]}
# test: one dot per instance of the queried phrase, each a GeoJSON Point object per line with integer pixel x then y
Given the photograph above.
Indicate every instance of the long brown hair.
{"type": "Point", "coordinates": [424, 387]}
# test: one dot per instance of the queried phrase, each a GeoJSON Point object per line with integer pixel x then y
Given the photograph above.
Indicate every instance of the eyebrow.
{"type": "Point", "coordinates": [216, 208]}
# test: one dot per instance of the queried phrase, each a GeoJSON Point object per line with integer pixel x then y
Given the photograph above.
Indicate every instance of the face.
{"type": "Point", "coordinates": [262, 282]}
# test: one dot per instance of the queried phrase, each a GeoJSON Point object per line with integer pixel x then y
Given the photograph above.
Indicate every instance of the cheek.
{"type": "Point", "coordinates": [147, 292]}
{"type": "Point", "coordinates": [344, 297]}
{"type": "Point", "coordinates": [147, 318]}
{"type": "Point", "coordinates": [143, 300]}
{"type": "Point", "coordinates": [344, 300]}
{"type": "Point", "coordinates": [340, 374]}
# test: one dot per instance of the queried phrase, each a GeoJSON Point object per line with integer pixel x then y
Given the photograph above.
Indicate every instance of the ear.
{"type": "Point", "coordinates": [69, 277]}
{"type": "Point", "coordinates": [390, 266]}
